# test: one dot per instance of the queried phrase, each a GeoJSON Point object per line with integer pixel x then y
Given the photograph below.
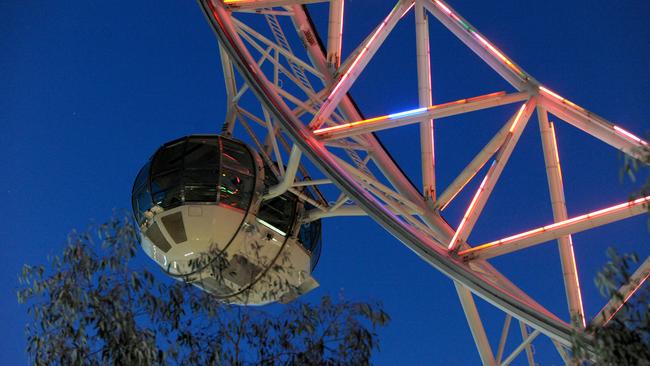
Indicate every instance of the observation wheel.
{"type": "Point", "coordinates": [287, 86]}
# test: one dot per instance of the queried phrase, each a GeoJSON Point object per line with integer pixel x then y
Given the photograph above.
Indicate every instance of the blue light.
{"type": "Point", "coordinates": [407, 113]}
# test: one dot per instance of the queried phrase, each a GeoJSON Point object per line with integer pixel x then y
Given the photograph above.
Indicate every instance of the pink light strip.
{"type": "Point", "coordinates": [617, 129]}
{"type": "Point", "coordinates": [560, 98]}
{"type": "Point", "coordinates": [443, 7]}
{"type": "Point", "coordinates": [641, 282]}
{"type": "Point", "coordinates": [551, 93]}
{"type": "Point", "coordinates": [341, 17]}
{"type": "Point", "coordinates": [423, 110]}
{"type": "Point", "coordinates": [494, 50]}
{"type": "Point", "coordinates": [480, 38]}
{"type": "Point", "coordinates": [454, 240]}
{"type": "Point", "coordinates": [453, 244]}
{"type": "Point", "coordinates": [583, 321]}
{"type": "Point", "coordinates": [407, 10]}
{"type": "Point", "coordinates": [557, 225]}
{"type": "Point", "coordinates": [514, 124]}
{"type": "Point", "coordinates": [629, 135]}
{"type": "Point", "coordinates": [359, 56]}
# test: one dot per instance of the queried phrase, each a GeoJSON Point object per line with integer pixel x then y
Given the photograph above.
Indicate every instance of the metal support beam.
{"type": "Point", "coordinates": [348, 210]}
{"type": "Point", "coordinates": [521, 347]}
{"type": "Point", "coordinates": [315, 182]}
{"type": "Point", "coordinates": [231, 90]}
{"type": "Point", "coordinates": [528, 348]}
{"type": "Point", "coordinates": [551, 232]}
{"type": "Point", "coordinates": [416, 115]}
{"type": "Point", "coordinates": [626, 292]}
{"type": "Point", "coordinates": [427, 152]}
{"type": "Point", "coordinates": [504, 337]}
{"type": "Point", "coordinates": [334, 33]}
{"type": "Point", "coordinates": [259, 4]}
{"type": "Point", "coordinates": [592, 124]}
{"type": "Point", "coordinates": [477, 204]}
{"type": "Point", "coordinates": [473, 167]}
{"type": "Point", "coordinates": [288, 177]}
{"type": "Point", "coordinates": [563, 353]}
{"type": "Point", "coordinates": [558, 204]}
{"type": "Point", "coordinates": [475, 324]}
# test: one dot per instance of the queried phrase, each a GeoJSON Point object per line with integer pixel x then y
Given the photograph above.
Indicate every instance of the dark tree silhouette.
{"type": "Point", "coordinates": [94, 305]}
{"type": "Point", "coordinates": [625, 340]}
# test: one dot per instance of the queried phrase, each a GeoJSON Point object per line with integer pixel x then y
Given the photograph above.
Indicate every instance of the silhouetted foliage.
{"type": "Point", "coordinates": [625, 339]}
{"type": "Point", "coordinates": [94, 306]}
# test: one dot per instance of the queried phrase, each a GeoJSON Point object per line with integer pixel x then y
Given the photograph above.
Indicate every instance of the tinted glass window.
{"type": "Point", "coordinates": [168, 158]}
{"type": "Point", "coordinates": [191, 170]}
{"type": "Point", "coordinates": [141, 197]}
{"type": "Point", "coordinates": [235, 189]}
{"type": "Point", "coordinates": [168, 198]}
{"type": "Point", "coordinates": [143, 176]}
{"type": "Point", "coordinates": [279, 211]}
{"type": "Point", "coordinates": [166, 181]}
{"type": "Point", "coordinates": [201, 176]}
{"type": "Point", "coordinates": [202, 153]}
{"type": "Point", "coordinates": [201, 193]}
{"type": "Point", "coordinates": [141, 203]}
{"type": "Point", "coordinates": [310, 238]}
{"type": "Point", "coordinates": [237, 157]}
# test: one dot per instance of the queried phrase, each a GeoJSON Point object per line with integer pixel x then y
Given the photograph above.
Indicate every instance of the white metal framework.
{"type": "Point", "coordinates": [302, 89]}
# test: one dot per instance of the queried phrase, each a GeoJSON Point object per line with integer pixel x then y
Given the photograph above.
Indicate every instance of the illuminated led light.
{"type": "Point", "coordinates": [486, 96]}
{"type": "Point", "coordinates": [407, 113]}
{"type": "Point", "coordinates": [443, 7]}
{"type": "Point", "coordinates": [577, 282]}
{"type": "Point", "coordinates": [573, 104]}
{"type": "Point", "coordinates": [620, 206]}
{"type": "Point", "coordinates": [358, 58]}
{"type": "Point", "coordinates": [341, 25]}
{"type": "Point", "coordinates": [629, 135]}
{"type": "Point", "coordinates": [556, 225]}
{"type": "Point", "coordinates": [453, 244]}
{"type": "Point", "coordinates": [271, 227]}
{"type": "Point", "coordinates": [514, 124]}
{"type": "Point", "coordinates": [557, 156]}
{"type": "Point", "coordinates": [553, 94]}
{"type": "Point", "coordinates": [371, 120]}
{"type": "Point", "coordinates": [641, 281]}
{"type": "Point", "coordinates": [556, 152]}
{"type": "Point", "coordinates": [348, 125]}
{"type": "Point", "coordinates": [567, 222]}
{"type": "Point", "coordinates": [407, 10]}
{"type": "Point", "coordinates": [497, 52]}
{"type": "Point", "coordinates": [560, 98]}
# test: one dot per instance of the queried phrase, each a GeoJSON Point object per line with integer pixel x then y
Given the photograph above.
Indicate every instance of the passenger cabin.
{"type": "Point", "coordinates": [199, 205]}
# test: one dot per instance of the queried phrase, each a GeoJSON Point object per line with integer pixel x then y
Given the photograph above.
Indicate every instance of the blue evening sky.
{"type": "Point", "coordinates": [89, 89]}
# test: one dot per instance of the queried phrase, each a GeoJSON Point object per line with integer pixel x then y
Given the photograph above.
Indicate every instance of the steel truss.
{"type": "Point", "coordinates": [305, 110]}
